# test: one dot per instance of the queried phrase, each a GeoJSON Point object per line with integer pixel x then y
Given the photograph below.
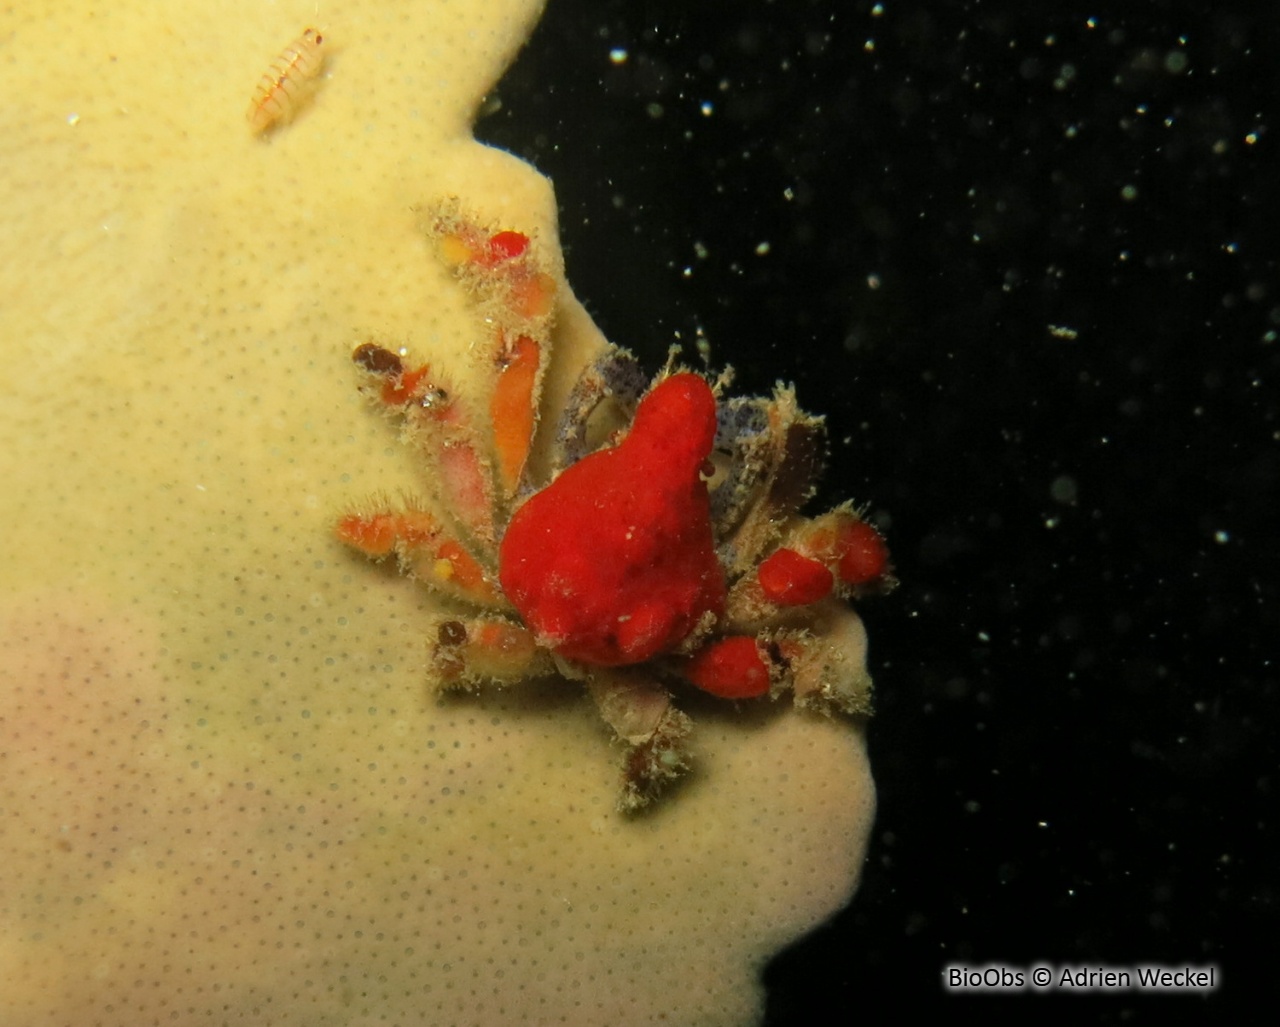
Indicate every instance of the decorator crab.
{"type": "Point", "coordinates": [663, 548]}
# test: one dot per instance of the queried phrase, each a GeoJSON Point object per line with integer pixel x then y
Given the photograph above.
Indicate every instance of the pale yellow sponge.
{"type": "Point", "coordinates": [228, 793]}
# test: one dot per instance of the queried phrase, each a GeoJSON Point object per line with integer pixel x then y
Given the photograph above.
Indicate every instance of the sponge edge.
{"type": "Point", "coordinates": [228, 793]}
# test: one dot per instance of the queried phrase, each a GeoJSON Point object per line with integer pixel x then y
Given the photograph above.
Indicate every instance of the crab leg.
{"type": "Point", "coordinates": [501, 268]}
{"type": "Point", "coordinates": [837, 554]}
{"type": "Point", "coordinates": [471, 651]}
{"type": "Point", "coordinates": [829, 664]}
{"type": "Point", "coordinates": [618, 377]}
{"type": "Point", "coordinates": [517, 297]}
{"type": "Point", "coordinates": [423, 550]}
{"type": "Point", "coordinates": [513, 410]}
{"type": "Point", "coordinates": [775, 451]}
{"type": "Point", "coordinates": [639, 711]}
{"type": "Point", "coordinates": [441, 427]}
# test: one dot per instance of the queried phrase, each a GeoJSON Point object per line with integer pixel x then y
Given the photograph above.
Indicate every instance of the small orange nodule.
{"type": "Point", "coordinates": [511, 410]}
{"type": "Point", "coordinates": [789, 579]}
{"type": "Point", "coordinates": [732, 668]}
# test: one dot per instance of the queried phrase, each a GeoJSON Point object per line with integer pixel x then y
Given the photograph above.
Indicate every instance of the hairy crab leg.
{"type": "Point", "coordinates": [424, 550]}
{"type": "Point", "coordinates": [823, 664]}
{"type": "Point", "coordinates": [775, 452]}
{"type": "Point", "coordinates": [441, 427]}
{"type": "Point", "coordinates": [476, 650]}
{"type": "Point", "coordinates": [837, 554]}
{"type": "Point", "coordinates": [513, 409]}
{"type": "Point", "coordinates": [516, 296]}
{"type": "Point", "coordinates": [616, 379]}
{"type": "Point", "coordinates": [639, 711]}
{"type": "Point", "coordinates": [850, 548]}
{"type": "Point", "coordinates": [828, 664]}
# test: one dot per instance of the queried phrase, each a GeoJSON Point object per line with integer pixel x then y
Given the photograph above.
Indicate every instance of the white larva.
{"type": "Point", "coordinates": [285, 85]}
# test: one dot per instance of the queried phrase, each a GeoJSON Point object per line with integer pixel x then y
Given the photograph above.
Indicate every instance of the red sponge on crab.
{"type": "Point", "coordinates": [614, 563]}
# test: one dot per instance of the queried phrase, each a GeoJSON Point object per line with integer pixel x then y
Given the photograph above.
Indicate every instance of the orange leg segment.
{"type": "Point", "coordinates": [423, 550]}
{"type": "Point", "coordinates": [512, 409]}
{"type": "Point", "coordinates": [468, 652]}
